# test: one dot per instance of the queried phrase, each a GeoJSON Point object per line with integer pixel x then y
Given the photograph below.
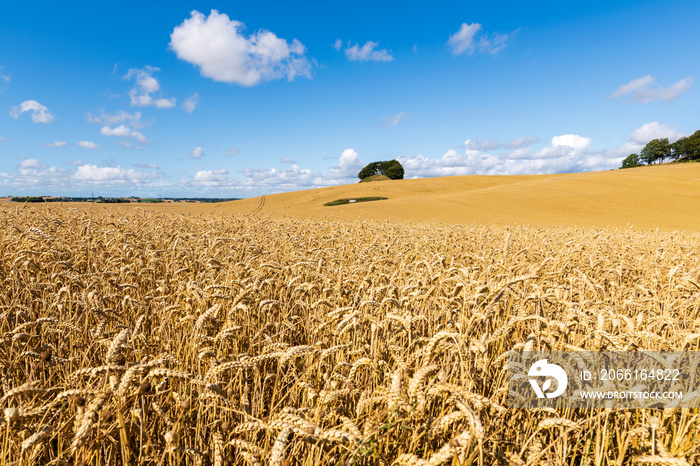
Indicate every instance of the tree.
{"type": "Point", "coordinates": [687, 148]}
{"type": "Point", "coordinates": [393, 169]}
{"type": "Point", "coordinates": [369, 170]}
{"type": "Point", "coordinates": [631, 161]}
{"type": "Point", "coordinates": [390, 168]}
{"type": "Point", "coordinates": [655, 151]}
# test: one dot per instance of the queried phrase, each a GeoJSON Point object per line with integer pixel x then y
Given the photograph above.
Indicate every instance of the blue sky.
{"type": "Point", "coordinates": [234, 99]}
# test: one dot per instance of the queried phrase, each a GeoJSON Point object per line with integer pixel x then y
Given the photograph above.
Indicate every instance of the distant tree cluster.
{"type": "Point", "coordinates": [28, 199]}
{"type": "Point", "coordinates": [390, 168]}
{"type": "Point", "coordinates": [660, 150]}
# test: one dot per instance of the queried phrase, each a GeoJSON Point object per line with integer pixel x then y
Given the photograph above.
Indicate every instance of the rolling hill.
{"type": "Point", "coordinates": [665, 196]}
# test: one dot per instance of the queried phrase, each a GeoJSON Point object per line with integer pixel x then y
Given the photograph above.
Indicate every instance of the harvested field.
{"type": "Point", "coordinates": [132, 336]}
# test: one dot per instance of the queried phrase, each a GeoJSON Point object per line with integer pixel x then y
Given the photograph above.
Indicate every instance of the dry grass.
{"type": "Point", "coordinates": [138, 337]}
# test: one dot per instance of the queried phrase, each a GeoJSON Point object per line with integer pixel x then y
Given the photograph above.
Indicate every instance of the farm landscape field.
{"type": "Point", "coordinates": [154, 335]}
{"type": "Point", "coordinates": [349, 234]}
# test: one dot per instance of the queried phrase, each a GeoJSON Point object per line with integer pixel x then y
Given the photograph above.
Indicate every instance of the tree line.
{"type": "Point", "coordinates": [660, 150]}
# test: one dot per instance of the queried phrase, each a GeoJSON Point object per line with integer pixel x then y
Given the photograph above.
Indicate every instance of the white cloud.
{"type": "Point", "coordinates": [396, 119]}
{"type": "Point", "coordinates": [218, 47]}
{"type": "Point", "coordinates": [196, 153]}
{"type": "Point", "coordinates": [646, 90]}
{"type": "Point", "coordinates": [349, 164]}
{"type": "Point", "coordinates": [31, 177]}
{"type": "Point", "coordinates": [469, 39]}
{"type": "Point", "coordinates": [123, 131]}
{"type": "Point", "coordinates": [286, 160]}
{"type": "Point", "coordinates": [88, 145]}
{"type": "Point", "coordinates": [232, 151]}
{"type": "Point", "coordinates": [30, 163]}
{"type": "Point", "coordinates": [463, 40]}
{"type": "Point", "coordinates": [574, 141]}
{"type": "Point", "coordinates": [114, 175]}
{"type": "Point", "coordinates": [191, 103]}
{"type": "Point", "coordinates": [211, 178]}
{"type": "Point", "coordinates": [566, 153]}
{"type": "Point", "coordinates": [654, 130]}
{"type": "Point", "coordinates": [338, 44]}
{"type": "Point", "coordinates": [367, 52]}
{"type": "Point", "coordinates": [55, 144]}
{"type": "Point", "coordinates": [142, 94]}
{"type": "Point", "coordinates": [40, 114]}
{"type": "Point", "coordinates": [272, 180]}
{"type": "Point", "coordinates": [640, 137]}
{"type": "Point", "coordinates": [152, 166]}
{"type": "Point", "coordinates": [132, 120]}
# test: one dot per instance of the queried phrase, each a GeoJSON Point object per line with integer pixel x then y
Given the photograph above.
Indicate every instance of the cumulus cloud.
{"type": "Point", "coordinates": [470, 39]}
{"type": "Point", "coordinates": [640, 137]}
{"type": "Point", "coordinates": [32, 177]}
{"type": "Point", "coordinates": [217, 46]}
{"type": "Point", "coordinates": [338, 44]}
{"type": "Point", "coordinates": [88, 145]}
{"type": "Point", "coordinates": [654, 130]}
{"type": "Point", "coordinates": [565, 153]}
{"type": "Point", "coordinates": [54, 144]}
{"type": "Point", "coordinates": [286, 160]}
{"type": "Point", "coordinates": [367, 52]}
{"type": "Point", "coordinates": [30, 163]}
{"type": "Point", "coordinates": [196, 153]}
{"type": "Point", "coordinates": [112, 175]}
{"type": "Point", "coordinates": [191, 103]}
{"type": "Point", "coordinates": [645, 90]}
{"type": "Point", "coordinates": [396, 119]}
{"type": "Point", "coordinates": [232, 151]}
{"type": "Point", "coordinates": [349, 164]}
{"type": "Point", "coordinates": [211, 178]}
{"type": "Point", "coordinates": [123, 131]}
{"type": "Point", "coordinates": [40, 114]}
{"type": "Point", "coordinates": [145, 88]}
{"type": "Point", "coordinates": [272, 180]}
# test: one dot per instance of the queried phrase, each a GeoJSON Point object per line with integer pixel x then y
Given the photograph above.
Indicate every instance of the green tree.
{"type": "Point", "coordinates": [631, 161]}
{"type": "Point", "coordinates": [390, 168]}
{"type": "Point", "coordinates": [369, 170]}
{"type": "Point", "coordinates": [677, 148]}
{"type": "Point", "coordinates": [393, 169]}
{"type": "Point", "coordinates": [687, 148]}
{"type": "Point", "coordinates": [655, 151]}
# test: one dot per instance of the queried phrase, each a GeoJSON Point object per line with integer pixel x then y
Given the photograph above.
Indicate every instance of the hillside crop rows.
{"type": "Point", "coordinates": [130, 336]}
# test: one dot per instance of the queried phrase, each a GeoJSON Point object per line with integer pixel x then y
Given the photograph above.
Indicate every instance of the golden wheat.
{"type": "Point", "coordinates": [140, 337]}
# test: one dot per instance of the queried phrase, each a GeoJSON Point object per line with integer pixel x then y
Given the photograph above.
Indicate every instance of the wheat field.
{"type": "Point", "coordinates": [132, 336]}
